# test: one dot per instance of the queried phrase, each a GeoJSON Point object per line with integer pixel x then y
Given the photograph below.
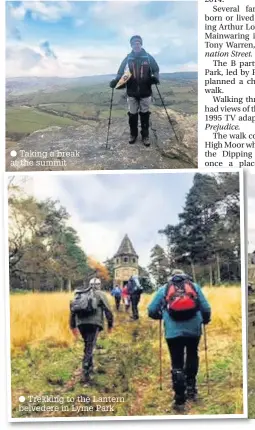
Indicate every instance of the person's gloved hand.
{"type": "Point", "coordinates": [206, 318]}
{"type": "Point", "coordinates": [113, 83]}
{"type": "Point", "coordinates": [154, 80]}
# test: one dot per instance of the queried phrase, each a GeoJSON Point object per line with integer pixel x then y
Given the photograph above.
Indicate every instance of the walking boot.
{"type": "Point", "coordinates": [191, 389]}
{"type": "Point", "coordinates": [179, 387]}
{"type": "Point", "coordinates": [145, 117]}
{"type": "Point", "coordinates": [133, 125]}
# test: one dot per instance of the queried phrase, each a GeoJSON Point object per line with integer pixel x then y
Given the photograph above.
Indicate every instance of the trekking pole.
{"type": "Point", "coordinates": [109, 122]}
{"type": "Point", "coordinates": [169, 119]}
{"type": "Point", "coordinates": [206, 360]}
{"type": "Point", "coordinates": [160, 354]}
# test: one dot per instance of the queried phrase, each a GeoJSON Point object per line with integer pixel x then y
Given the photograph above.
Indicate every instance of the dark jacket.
{"type": "Point", "coordinates": [97, 319]}
{"type": "Point", "coordinates": [142, 65]}
{"type": "Point", "coordinates": [134, 287]}
{"type": "Point", "coordinates": [173, 329]}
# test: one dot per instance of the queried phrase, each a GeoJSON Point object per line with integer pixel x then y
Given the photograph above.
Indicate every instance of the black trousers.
{"type": "Point", "coordinates": [89, 334]}
{"type": "Point", "coordinates": [135, 298]}
{"type": "Point", "coordinates": [117, 302]}
{"type": "Point", "coordinates": [184, 354]}
{"type": "Point", "coordinates": [185, 361]}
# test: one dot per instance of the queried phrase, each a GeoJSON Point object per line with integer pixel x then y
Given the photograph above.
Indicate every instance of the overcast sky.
{"type": "Point", "coordinates": [69, 39]}
{"type": "Point", "coordinates": [103, 208]}
{"type": "Point", "coordinates": [250, 179]}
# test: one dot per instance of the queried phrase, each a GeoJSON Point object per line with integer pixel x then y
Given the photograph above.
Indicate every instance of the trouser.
{"type": "Point", "coordinates": [185, 361]}
{"type": "Point", "coordinates": [89, 334]}
{"type": "Point", "coordinates": [126, 303]}
{"type": "Point", "coordinates": [117, 302]}
{"type": "Point", "coordinates": [135, 298]}
{"type": "Point", "coordinates": [135, 105]}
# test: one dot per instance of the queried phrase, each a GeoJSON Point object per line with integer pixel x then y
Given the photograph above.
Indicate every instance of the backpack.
{"type": "Point", "coordinates": [85, 303]}
{"type": "Point", "coordinates": [136, 286]}
{"type": "Point", "coordinates": [181, 299]}
{"type": "Point", "coordinates": [118, 292]}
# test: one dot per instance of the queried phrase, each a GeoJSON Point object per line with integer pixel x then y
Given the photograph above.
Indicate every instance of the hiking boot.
{"type": "Point", "coordinates": [85, 379]}
{"type": "Point", "coordinates": [132, 139]}
{"type": "Point", "coordinates": [179, 407]}
{"type": "Point", "coordinates": [191, 391]}
{"type": "Point", "coordinates": [133, 125]}
{"type": "Point", "coordinates": [146, 141]}
{"type": "Point", "coordinates": [179, 387]}
{"type": "Point", "coordinates": [144, 118]}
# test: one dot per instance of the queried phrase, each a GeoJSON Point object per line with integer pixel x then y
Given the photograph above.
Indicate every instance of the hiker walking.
{"type": "Point", "coordinates": [125, 297]}
{"type": "Point", "coordinates": [87, 311]}
{"type": "Point", "coordinates": [134, 289]}
{"type": "Point", "coordinates": [116, 293]}
{"type": "Point", "coordinates": [139, 71]}
{"type": "Point", "coordinates": [182, 306]}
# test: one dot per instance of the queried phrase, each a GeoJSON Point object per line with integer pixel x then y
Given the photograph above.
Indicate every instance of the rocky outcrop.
{"type": "Point", "coordinates": [84, 147]}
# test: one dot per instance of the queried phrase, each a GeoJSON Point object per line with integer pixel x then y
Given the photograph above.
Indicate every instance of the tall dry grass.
{"type": "Point", "coordinates": [44, 317]}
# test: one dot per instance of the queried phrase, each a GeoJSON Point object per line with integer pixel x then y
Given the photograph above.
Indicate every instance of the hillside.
{"type": "Point", "coordinates": [75, 117]}
{"type": "Point", "coordinates": [127, 360]}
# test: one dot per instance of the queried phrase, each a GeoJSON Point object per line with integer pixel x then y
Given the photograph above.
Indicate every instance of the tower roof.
{"type": "Point", "coordinates": [126, 247]}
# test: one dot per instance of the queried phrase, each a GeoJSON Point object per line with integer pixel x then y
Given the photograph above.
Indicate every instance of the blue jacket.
{"type": "Point", "coordinates": [191, 327]}
{"type": "Point", "coordinates": [116, 292]}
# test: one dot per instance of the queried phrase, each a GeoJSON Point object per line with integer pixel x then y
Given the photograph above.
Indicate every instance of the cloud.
{"type": "Point", "coordinates": [48, 52]}
{"type": "Point", "coordinates": [169, 35]}
{"type": "Point", "coordinates": [20, 58]}
{"type": "Point", "coordinates": [40, 10]}
{"type": "Point", "coordinates": [128, 207]}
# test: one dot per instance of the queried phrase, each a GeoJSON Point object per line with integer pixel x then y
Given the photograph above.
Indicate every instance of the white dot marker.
{"type": "Point", "coordinates": [22, 399]}
{"type": "Point", "coordinates": [13, 153]}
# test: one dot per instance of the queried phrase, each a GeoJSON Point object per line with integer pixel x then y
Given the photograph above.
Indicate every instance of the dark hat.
{"type": "Point", "coordinates": [136, 37]}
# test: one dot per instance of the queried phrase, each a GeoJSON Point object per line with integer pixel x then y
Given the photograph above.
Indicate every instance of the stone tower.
{"type": "Point", "coordinates": [125, 262]}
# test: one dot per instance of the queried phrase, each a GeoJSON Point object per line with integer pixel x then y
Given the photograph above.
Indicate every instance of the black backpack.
{"type": "Point", "coordinates": [85, 303]}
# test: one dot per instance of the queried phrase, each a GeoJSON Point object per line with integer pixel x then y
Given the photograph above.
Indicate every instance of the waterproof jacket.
{"type": "Point", "coordinates": [97, 318]}
{"type": "Point", "coordinates": [116, 292]}
{"type": "Point", "coordinates": [124, 292]}
{"type": "Point", "coordinates": [142, 65]}
{"type": "Point", "coordinates": [134, 287]}
{"type": "Point", "coordinates": [173, 329]}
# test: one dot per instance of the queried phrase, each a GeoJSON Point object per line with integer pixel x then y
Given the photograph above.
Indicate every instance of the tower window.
{"type": "Point", "coordinates": [134, 260]}
{"type": "Point", "coordinates": [117, 261]}
{"type": "Point", "coordinates": [125, 259]}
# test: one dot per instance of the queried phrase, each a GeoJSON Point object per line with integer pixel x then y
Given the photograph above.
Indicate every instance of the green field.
{"type": "Point", "coordinates": [29, 112]}
{"type": "Point", "coordinates": [25, 120]}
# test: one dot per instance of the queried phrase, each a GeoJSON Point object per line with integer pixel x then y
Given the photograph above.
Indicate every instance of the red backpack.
{"type": "Point", "coordinates": [181, 299]}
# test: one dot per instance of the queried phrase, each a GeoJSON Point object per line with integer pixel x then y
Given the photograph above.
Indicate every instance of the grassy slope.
{"type": "Point", "coordinates": [28, 120]}
{"type": "Point", "coordinates": [128, 363]}
{"type": "Point", "coordinates": [87, 101]}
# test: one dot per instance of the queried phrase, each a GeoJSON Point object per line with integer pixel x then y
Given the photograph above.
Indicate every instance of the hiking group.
{"type": "Point", "coordinates": [180, 303]}
{"type": "Point", "coordinates": [130, 293]}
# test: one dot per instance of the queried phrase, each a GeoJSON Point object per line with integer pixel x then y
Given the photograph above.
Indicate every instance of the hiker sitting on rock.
{"type": "Point", "coordinates": [134, 290]}
{"type": "Point", "coordinates": [140, 71]}
{"type": "Point", "coordinates": [116, 293]}
{"type": "Point", "coordinates": [87, 312]}
{"type": "Point", "coordinates": [183, 307]}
